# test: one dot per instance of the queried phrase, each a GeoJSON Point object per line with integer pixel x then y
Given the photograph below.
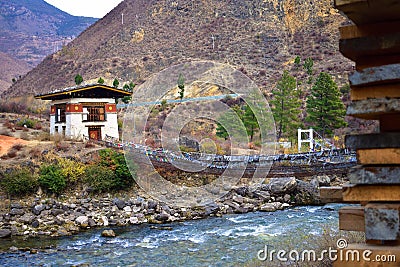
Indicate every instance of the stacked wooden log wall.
{"type": "Point", "coordinates": [373, 43]}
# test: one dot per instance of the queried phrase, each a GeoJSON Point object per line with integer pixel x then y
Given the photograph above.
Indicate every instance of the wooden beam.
{"type": "Point", "coordinates": [351, 219]}
{"type": "Point", "coordinates": [378, 91]}
{"type": "Point", "coordinates": [389, 123]}
{"type": "Point", "coordinates": [378, 156]}
{"type": "Point", "coordinates": [369, 11]}
{"type": "Point", "coordinates": [330, 194]}
{"type": "Point", "coordinates": [374, 45]}
{"type": "Point", "coordinates": [376, 75]}
{"type": "Point", "coordinates": [366, 141]}
{"type": "Point", "coordinates": [376, 29]}
{"type": "Point", "coordinates": [374, 61]}
{"type": "Point", "coordinates": [391, 254]}
{"type": "Point", "coordinates": [374, 175]}
{"type": "Point", "coordinates": [371, 193]}
{"type": "Point", "coordinates": [382, 221]}
{"type": "Point", "coordinates": [372, 109]}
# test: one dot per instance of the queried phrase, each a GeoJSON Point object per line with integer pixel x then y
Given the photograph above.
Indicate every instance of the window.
{"type": "Point", "coordinates": [60, 113]}
{"type": "Point", "coordinates": [93, 113]}
{"type": "Point", "coordinates": [63, 130]}
{"type": "Point", "coordinates": [56, 129]}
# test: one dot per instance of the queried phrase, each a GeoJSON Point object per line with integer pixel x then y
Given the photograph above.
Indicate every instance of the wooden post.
{"type": "Point", "coordinates": [373, 43]}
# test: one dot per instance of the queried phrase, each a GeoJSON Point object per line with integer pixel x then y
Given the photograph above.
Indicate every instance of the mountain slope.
{"type": "Point", "coordinates": [259, 37]}
{"type": "Point", "coordinates": [32, 29]}
{"type": "Point", "coordinates": [10, 68]}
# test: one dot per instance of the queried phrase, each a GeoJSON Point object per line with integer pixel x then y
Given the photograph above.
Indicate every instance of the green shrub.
{"type": "Point", "coordinates": [99, 178]}
{"type": "Point", "coordinates": [71, 170]}
{"type": "Point", "coordinates": [52, 179]}
{"type": "Point", "coordinates": [116, 162]}
{"type": "Point", "coordinates": [27, 122]}
{"type": "Point", "coordinates": [19, 181]}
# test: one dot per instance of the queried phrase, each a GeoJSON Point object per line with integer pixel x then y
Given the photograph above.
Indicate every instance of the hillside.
{"type": "Point", "coordinates": [10, 68]}
{"type": "Point", "coordinates": [32, 29]}
{"type": "Point", "coordinates": [258, 37]}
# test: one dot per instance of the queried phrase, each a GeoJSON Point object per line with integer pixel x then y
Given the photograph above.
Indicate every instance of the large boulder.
{"type": "Point", "coordinates": [27, 218]}
{"type": "Point", "coordinates": [281, 186]}
{"type": "Point", "coordinates": [162, 217]}
{"type": "Point", "coordinates": [271, 206]}
{"type": "Point", "coordinates": [306, 193]}
{"type": "Point", "coordinates": [108, 233]}
{"type": "Point", "coordinates": [119, 203]}
{"type": "Point", "coordinates": [5, 233]}
{"type": "Point", "coordinates": [38, 209]}
{"type": "Point", "coordinates": [16, 211]}
{"type": "Point", "coordinates": [321, 180]}
{"type": "Point", "coordinates": [82, 221]}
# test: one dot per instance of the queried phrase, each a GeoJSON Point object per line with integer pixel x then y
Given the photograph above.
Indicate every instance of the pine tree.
{"type": "Point", "coordinates": [116, 83]}
{"type": "Point", "coordinates": [232, 122]}
{"type": "Point", "coordinates": [181, 86]}
{"type": "Point", "coordinates": [250, 122]}
{"type": "Point", "coordinates": [78, 79]}
{"type": "Point", "coordinates": [286, 106]}
{"type": "Point", "coordinates": [325, 109]}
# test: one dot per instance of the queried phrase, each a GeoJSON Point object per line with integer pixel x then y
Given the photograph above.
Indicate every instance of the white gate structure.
{"type": "Point", "coordinates": [308, 136]}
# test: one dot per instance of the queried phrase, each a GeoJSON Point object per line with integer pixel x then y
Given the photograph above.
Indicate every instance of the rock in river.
{"type": "Point", "coordinates": [108, 233]}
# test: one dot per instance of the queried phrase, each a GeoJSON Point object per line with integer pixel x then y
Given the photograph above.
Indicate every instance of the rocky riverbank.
{"type": "Point", "coordinates": [43, 216]}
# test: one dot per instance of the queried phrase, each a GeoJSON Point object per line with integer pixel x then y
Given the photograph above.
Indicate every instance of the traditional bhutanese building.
{"type": "Point", "coordinates": [87, 111]}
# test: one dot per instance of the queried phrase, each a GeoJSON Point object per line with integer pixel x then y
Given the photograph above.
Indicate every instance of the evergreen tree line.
{"type": "Point", "coordinates": [324, 109]}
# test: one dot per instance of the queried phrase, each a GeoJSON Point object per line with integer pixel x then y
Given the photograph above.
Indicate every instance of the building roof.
{"type": "Point", "coordinates": [85, 91]}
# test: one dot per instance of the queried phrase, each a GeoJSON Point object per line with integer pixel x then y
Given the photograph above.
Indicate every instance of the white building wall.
{"type": "Point", "coordinates": [52, 124]}
{"type": "Point", "coordinates": [111, 126]}
{"type": "Point", "coordinates": [76, 128]}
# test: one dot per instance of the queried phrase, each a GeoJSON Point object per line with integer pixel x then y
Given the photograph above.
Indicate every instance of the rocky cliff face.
{"type": "Point", "coordinates": [258, 37]}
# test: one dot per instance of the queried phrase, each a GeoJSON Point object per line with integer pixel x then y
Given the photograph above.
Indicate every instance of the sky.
{"type": "Point", "coordinates": [86, 8]}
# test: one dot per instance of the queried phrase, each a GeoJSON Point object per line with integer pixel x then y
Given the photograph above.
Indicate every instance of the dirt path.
{"type": "Point", "coordinates": [6, 142]}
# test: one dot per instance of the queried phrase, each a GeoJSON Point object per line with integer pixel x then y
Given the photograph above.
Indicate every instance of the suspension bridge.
{"type": "Point", "coordinates": [334, 161]}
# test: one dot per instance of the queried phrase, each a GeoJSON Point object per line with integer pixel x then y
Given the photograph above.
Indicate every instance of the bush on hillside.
{"type": "Point", "coordinates": [52, 179]}
{"type": "Point", "coordinates": [19, 181]}
{"type": "Point", "coordinates": [71, 170]}
{"type": "Point", "coordinates": [27, 123]}
{"type": "Point", "coordinates": [100, 178]}
{"type": "Point", "coordinates": [116, 162]}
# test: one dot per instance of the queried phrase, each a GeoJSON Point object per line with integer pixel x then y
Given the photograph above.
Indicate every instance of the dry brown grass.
{"type": "Point", "coordinates": [17, 147]}
{"type": "Point", "coordinates": [44, 136]}
{"type": "Point", "coordinates": [5, 132]}
{"type": "Point", "coordinates": [25, 136]}
{"type": "Point", "coordinates": [62, 146]}
{"type": "Point", "coordinates": [35, 152]}
{"type": "Point", "coordinates": [89, 145]}
{"type": "Point", "coordinates": [12, 153]}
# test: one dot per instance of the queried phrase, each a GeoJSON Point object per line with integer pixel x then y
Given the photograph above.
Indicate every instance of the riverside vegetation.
{"type": "Point", "coordinates": [55, 196]}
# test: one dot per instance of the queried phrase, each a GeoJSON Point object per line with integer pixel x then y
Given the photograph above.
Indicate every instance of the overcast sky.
{"type": "Point", "coordinates": [87, 8]}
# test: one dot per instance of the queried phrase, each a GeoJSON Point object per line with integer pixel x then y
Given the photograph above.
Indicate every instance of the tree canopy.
{"type": "Point", "coordinates": [325, 110]}
{"type": "Point", "coordinates": [78, 79]}
{"type": "Point", "coordinates": [286, 106]}
{"type": "Point", "coordinates": [181, 86]}
{"type": "Point", "coordinates": [116, 83]}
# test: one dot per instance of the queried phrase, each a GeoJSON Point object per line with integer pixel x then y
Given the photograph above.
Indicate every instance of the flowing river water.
{"type": "Point", "coordinates": [231, 240]}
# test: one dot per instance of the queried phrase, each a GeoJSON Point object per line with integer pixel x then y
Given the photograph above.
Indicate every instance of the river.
{"type": "Point", "coordinates": [232, 240]}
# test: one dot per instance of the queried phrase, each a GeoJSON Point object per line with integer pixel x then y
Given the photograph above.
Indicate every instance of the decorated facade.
{"type": "Point", "coordinates": [87, 111]}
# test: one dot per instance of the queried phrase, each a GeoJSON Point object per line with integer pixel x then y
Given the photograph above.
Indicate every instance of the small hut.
{"type": "Point", "coordinates": [87, 111]}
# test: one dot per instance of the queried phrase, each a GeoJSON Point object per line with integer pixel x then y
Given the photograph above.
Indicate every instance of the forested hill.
{"type": "Point", "coordinates": [256, 36]}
